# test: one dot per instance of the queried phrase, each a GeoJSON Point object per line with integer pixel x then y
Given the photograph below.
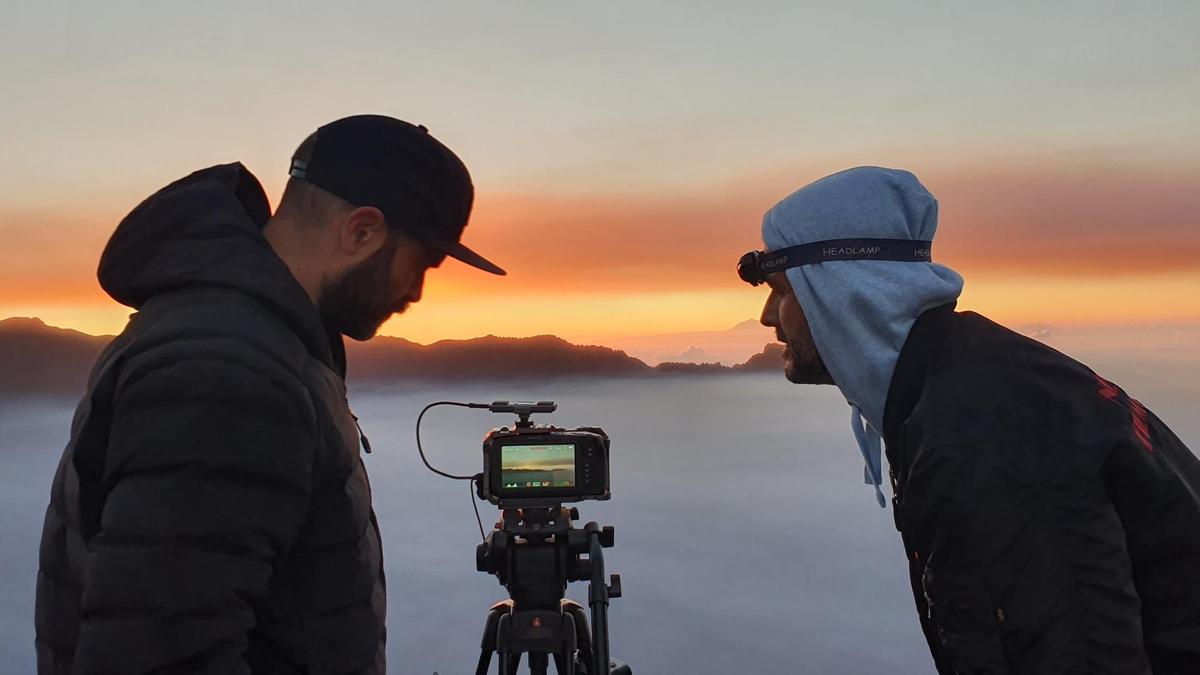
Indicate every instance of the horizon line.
{"type": "Point", "coordinates": [1189, 322]}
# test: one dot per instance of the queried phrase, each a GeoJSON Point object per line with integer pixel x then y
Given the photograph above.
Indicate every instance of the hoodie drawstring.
{"type": "Point", "coordinates": [870, 445]}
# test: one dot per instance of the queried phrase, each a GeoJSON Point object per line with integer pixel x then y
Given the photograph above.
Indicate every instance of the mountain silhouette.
{"type": "Point", "coordinates": [769, 360]}
{"type": "Point", "coordinates": [490, 357]}
{"type": "Point", "coordinates": [37, 360]}
{"type": "Point", "coordinates": [40, 360]}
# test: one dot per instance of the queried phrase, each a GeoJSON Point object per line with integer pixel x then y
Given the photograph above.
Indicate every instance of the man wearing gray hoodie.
{"type": "Point", "coordinates": [1051, 522]}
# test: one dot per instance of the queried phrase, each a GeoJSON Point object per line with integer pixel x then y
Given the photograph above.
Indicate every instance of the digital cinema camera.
{"type": "Point", "coordinates": [535, 550]}
{"type": "Point", "coordinates": [539, 465]}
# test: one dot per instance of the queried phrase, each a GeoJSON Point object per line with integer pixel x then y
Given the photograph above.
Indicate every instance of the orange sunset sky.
{"type": "Point", "coordinates": [624, 155]}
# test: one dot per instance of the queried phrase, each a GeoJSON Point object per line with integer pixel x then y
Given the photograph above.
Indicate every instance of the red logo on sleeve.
{"type": "Point", "coordinates": [1138, 415]}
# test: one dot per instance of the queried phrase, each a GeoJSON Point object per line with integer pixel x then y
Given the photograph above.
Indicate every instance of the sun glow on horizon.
{"type": "Point", "coordinates": [593, 318]}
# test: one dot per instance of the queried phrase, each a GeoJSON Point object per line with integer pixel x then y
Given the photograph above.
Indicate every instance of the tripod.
{"type": "Point", "coordinates": [535, 552]}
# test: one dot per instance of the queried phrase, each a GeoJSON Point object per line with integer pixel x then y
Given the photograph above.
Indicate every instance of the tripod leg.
{"type": "Point", "coordinates": [564, 660]}
{"type": "Point", "coordinates": [488, 644]}
{"type": "Point", "coordinates": [538, 663]}
{"type": "Point", "coordinates": [583, 639]}
{"type": "Point", "coordinates": [509, 663]}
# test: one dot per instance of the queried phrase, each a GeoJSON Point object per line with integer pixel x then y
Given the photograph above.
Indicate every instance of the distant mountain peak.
{"type": "Point", "coordinates": [22, 323]}
{"type": "Point", "coordinates": [34, 327]}
{"type": "Point", "coordinates": [36, 359]}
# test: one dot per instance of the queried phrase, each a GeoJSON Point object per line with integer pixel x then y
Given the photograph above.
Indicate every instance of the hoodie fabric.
{"type": "Point", "coordinates": [211, 512]}
{"type": "Point", "coordinates": [861, 311]}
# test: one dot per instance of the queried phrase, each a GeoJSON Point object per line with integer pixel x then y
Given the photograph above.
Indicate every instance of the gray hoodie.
{"type": "Point", "coordinates": [860, 311]}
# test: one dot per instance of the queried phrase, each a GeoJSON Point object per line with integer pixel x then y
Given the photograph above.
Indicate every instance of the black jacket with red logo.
{"type": "Point", "coordinates": [1051, 522]}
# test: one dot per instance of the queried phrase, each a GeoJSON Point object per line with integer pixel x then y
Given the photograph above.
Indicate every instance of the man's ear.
{"type": "Point", "coordinates": [362, 232]}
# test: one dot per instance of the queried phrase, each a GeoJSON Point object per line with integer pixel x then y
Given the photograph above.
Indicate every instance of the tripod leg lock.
{"type": "Point", "coordinates": [601, 592]}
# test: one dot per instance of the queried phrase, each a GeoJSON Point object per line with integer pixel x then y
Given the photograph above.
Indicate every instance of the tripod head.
{"type": "Point", "coordinates": [536, 552]}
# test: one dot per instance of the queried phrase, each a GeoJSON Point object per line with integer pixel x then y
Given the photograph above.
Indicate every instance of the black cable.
{"type": "Point", "coordinates": [474, 505]}
{"type": "Point", "coordinates": [472, 479]}
{"type": "Point", "coordinates": [422, 451]}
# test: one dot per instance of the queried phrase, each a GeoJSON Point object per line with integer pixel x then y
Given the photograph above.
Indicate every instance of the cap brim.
{"type": "Point", "coordinates": [457, 251]}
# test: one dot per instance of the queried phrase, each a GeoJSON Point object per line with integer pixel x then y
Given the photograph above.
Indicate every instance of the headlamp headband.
{"type": "Point", "coordinates": [754, 266]}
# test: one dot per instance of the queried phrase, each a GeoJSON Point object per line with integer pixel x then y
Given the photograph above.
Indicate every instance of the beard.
{"type": "Point", "coordinates": [355, 303]}
{"type": "Point", "coordinates": [803, 365]}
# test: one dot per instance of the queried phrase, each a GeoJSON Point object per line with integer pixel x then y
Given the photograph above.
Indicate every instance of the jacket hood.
{"type": "Point", "coordinates": [860, 311]}
{"type": "Point", "coordinates": [206, 230]}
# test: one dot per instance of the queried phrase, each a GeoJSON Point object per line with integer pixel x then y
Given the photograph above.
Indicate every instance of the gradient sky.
{"type": "Point", "coordinates": [624, 152]}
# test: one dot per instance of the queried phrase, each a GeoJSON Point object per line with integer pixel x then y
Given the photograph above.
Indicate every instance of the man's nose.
{"type": "Point", "coordinates": [769, 317]}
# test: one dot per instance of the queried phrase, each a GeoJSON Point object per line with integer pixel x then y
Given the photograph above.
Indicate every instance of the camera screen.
{"type": "Point", "coordinates": [537, 466]}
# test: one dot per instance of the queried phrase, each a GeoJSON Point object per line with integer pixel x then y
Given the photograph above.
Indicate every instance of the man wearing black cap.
{"type": "Point", "coordinates": [211, 513]}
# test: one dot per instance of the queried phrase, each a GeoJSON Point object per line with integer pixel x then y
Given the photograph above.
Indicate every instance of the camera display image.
{"type": "Point", "coordinates": [538, 466]}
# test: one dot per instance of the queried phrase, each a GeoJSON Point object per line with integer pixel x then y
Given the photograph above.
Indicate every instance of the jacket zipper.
{"type": "Point", "coordinates": [362, 437]}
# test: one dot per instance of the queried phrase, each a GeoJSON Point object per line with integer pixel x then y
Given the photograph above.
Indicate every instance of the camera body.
{"type": "Point", "coordinates": [531, 465]}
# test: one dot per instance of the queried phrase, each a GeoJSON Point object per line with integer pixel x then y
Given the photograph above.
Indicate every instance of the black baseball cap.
{"type": "Point", "coordinates": [399, 168]}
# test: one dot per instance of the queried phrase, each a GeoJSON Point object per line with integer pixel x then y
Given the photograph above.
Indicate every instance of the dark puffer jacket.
{"type": "Point", "coordinates": [1051, 522]}
{"type": "Point", "coordinates": [211, 513]}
